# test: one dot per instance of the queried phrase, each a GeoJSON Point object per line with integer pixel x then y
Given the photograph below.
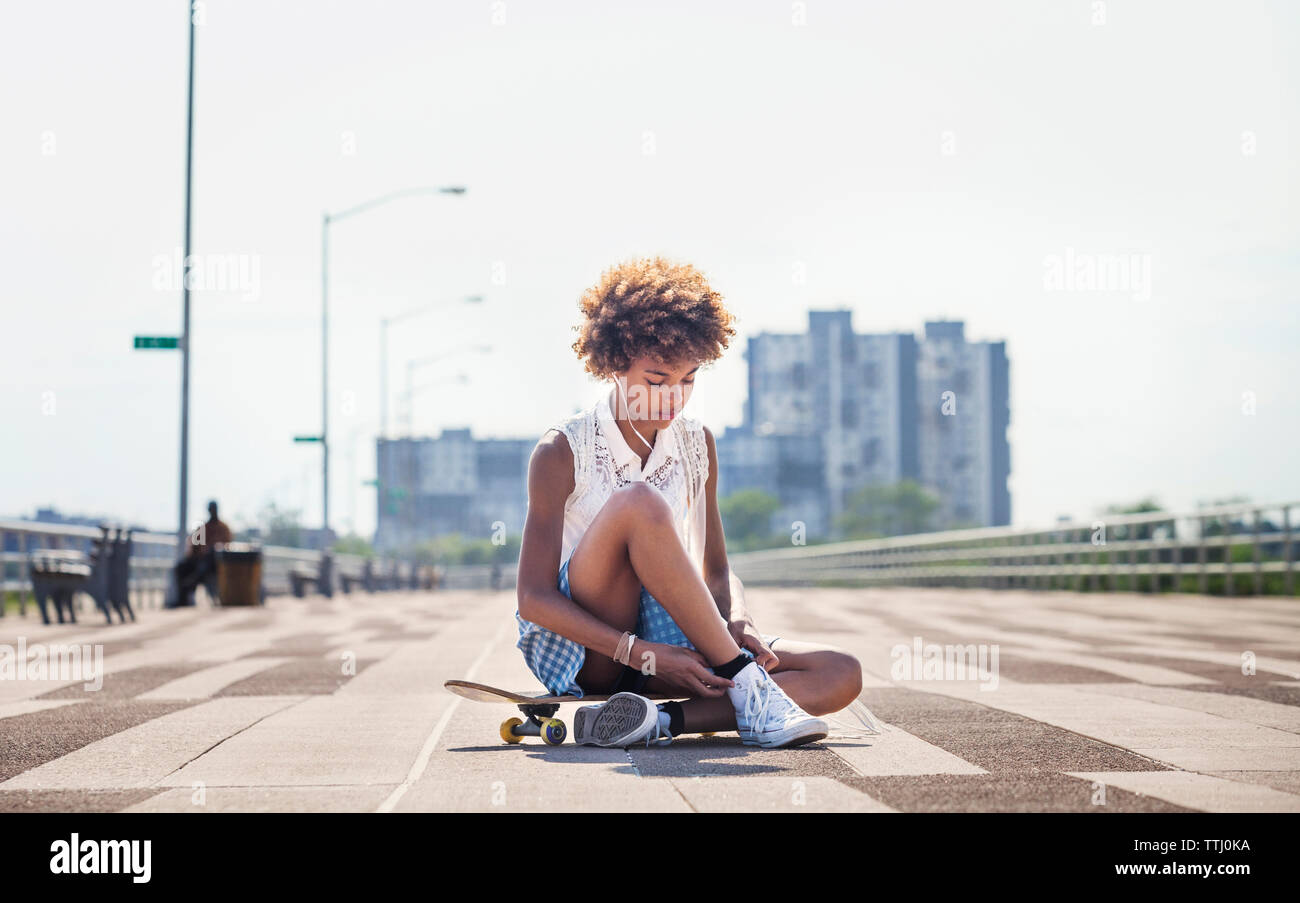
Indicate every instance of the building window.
{"type": "Point", "coordinates": [870, 453]}
{"type": "Point", "coordinates": [849, 415]}
{"type": "Point", "coordinates": [871, 375]}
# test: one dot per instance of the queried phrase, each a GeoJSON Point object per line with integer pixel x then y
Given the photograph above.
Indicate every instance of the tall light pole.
{"type": "Point", "coordinates": [183, 519]}
{"type": "Point", "coordinates": [384, 323]}
{"type": "Point", "coordinates": [413, 365]}
{"type": "Point", "coordinates": [326, 219]}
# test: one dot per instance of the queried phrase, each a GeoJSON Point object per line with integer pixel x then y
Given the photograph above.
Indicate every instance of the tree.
{"type": "Point", "coordinates": [454, 548]}
{"type": "Point", "coordinates": [280, 527]}
{"type": "Point", "coordinates": [1224, 525]}
{"type": "Point", "coordinates": [1135, 531]}
{"type": "Point", "coordinates": [352, 544]}
{"type": "Point", "coordinates": [1139, 507]}
{"type": "Point", "coordinates": [899, 510]}
{"type": "Point", "coordinates": [747, 517]}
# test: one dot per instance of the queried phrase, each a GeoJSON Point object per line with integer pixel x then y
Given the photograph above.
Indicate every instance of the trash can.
{"type": "Point", "coordinates": [239, 574]}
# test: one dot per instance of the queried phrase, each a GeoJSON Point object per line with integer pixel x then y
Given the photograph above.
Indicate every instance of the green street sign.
{"type": "Point", "coordinates": [157, 341]}
{"type": "Point", "coordinates": [306, 438]}
{"type": "Point", "coordinates": [374, 483]}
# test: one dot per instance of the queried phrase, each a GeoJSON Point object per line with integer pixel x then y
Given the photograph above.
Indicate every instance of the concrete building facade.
{"type": "Point", "coordinates": [831, 411]}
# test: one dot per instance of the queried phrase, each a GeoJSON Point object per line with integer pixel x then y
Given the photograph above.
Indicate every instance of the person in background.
{"type": "Point", "coordinates": [215, 531]}
{"type": "Point", "coordinates": [200, 562]}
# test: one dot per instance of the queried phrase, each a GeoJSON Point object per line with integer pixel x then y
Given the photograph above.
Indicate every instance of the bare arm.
{"type": "Point", "coordinates": [550, 483]}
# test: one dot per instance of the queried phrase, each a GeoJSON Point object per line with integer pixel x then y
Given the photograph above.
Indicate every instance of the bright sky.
{"type": "Point", "coordinates": [913, 160]}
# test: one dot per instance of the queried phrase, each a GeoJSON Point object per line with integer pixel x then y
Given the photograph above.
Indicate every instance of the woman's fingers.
{"type": "Point", "coordinates": [715, 685]}
{"type": "Point", "coordinates": [707, 691]}
{"type": "Point", "coordinates": [762, 652]}
{"type": "Point", "coordinates": [715, 679]}
{"type": "Point", "coordinates": [766, 657]}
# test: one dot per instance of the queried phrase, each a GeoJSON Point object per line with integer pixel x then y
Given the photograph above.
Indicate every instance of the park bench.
{"type": "Point", "coordinates": [362, 577]}
{"type": "Point", "coordinates": [57, 576]}
{"type": "Point", "coordinates": [301, 578]}
{"type": "Point", "coordinates": [321, 578]}
{"type": "Point", "coordinates": [111, 584]}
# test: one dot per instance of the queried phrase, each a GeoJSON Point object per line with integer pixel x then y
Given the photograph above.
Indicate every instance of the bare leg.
{"type": "Point", "coordinates": [820, 679]}
{"type": "Point", "coordinates": [632, 543]}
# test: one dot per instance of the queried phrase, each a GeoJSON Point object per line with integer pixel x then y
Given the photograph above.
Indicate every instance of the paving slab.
{"type": "Point", "coordinates": [1005, 792]}
{"type": "Point", "coordinates": [774, 794]}
{"type": "Point", "coordinates": [328, 798]}
{"type": "Point", "coordinates": [593, 792]}
{"type": "Point", "coordinates": [1286, 781]}
{"type": "Point", "coordinates": [211, 680]}
{"type": "Point", "coordinates": [896, 751]}
{"type": "Point", "coordinates": [1141, 695]}
{"type": "Point", "coordinates": [333, 739]}
{"type": "Point", "coordinates": [1227, 758]}
{"type": "Point", "coordinates": [1130, 723]}
{"type": "Point", "coordinates": [1199, 791]}
{"type": "Point", "coordinates": [1235, 707]}
{"type": "Point", "coordinates": [25, 706]}
{"type": "Point", "coordinates": [145, 754]}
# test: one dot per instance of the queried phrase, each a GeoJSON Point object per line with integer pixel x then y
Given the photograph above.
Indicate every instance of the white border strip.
{"type": "Point", "coordinates": [431, 742]}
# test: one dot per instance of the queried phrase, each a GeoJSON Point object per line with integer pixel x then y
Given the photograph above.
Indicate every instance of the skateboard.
{"type": "Point", "coordinates": [540, 710]}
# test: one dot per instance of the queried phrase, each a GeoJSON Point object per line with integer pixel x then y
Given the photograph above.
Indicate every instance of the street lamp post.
{"type": "Point", "coordinates": [384, 323]}
{"type": "Point", "coordinates": [413, 365]}
{"type": "Point", "coordinates": [183, 526]}
{"type": "Point", "coordinates": [326, 219]}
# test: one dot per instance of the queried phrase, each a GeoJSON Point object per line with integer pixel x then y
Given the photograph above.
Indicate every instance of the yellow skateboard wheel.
{"type": "Point", "coordinates": [553, 732]}
{"type": "Point", "coordinates": [507, 730]}
{"type": "Point", "coordinates": [707, 734]}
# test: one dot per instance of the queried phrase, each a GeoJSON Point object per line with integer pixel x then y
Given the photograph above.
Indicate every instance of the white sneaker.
{"type": "Point", "coordinates": [624, 719]}
{"type": "Point", "coordinates": [765, 716]}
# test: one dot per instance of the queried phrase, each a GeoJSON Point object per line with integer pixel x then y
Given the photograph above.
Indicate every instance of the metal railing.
{"type": "Point", "coordinates": [152, 558]}
{"type": "Point", "coordinates": [1228, 550]}
{"type": "Point", "coordinates": [477, 576]}
{"type": "Point", "coordinates": [1231, 549]}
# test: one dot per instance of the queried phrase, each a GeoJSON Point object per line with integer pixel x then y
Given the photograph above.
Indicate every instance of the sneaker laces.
{"type": "Point", "coordinates": [758, 707]}
{"type": "Point", "coordinates": [867, 725]}
{"type": "Point", "coordinates": [660, 735]}
{"type": "Point", "coordinates": [758, 702]}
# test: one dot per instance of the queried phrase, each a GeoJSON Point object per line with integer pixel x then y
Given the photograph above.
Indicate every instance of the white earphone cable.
{"type": "Point", "coordinates": [623, 394]}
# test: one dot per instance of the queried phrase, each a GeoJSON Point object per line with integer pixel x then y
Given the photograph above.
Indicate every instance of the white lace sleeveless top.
{"type": "Point", "coordinates": [603, 461]}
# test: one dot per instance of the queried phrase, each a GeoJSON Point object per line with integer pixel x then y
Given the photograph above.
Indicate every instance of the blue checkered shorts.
{"type": "Point", "coordinates": [556, 660]}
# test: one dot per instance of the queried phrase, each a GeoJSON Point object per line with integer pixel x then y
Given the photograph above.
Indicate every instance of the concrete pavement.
{"type": "Point", "coordinates": [1109, 702]}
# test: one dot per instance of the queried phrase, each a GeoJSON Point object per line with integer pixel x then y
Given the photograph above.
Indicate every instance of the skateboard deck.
{"type": "Point", "coordinates": [484, 693]}
{"type": "Point", "coordinates": [540, 710]}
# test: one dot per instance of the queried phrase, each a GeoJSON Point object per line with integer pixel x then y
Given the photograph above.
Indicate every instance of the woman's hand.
{"type": "Point", "coordinates": [746, 636]}
{"type": "Point", "coordinates": [683, 669]}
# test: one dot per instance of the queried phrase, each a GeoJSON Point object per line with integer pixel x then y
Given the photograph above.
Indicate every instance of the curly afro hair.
{"type": "Point", "coordinates": [654, 308]}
